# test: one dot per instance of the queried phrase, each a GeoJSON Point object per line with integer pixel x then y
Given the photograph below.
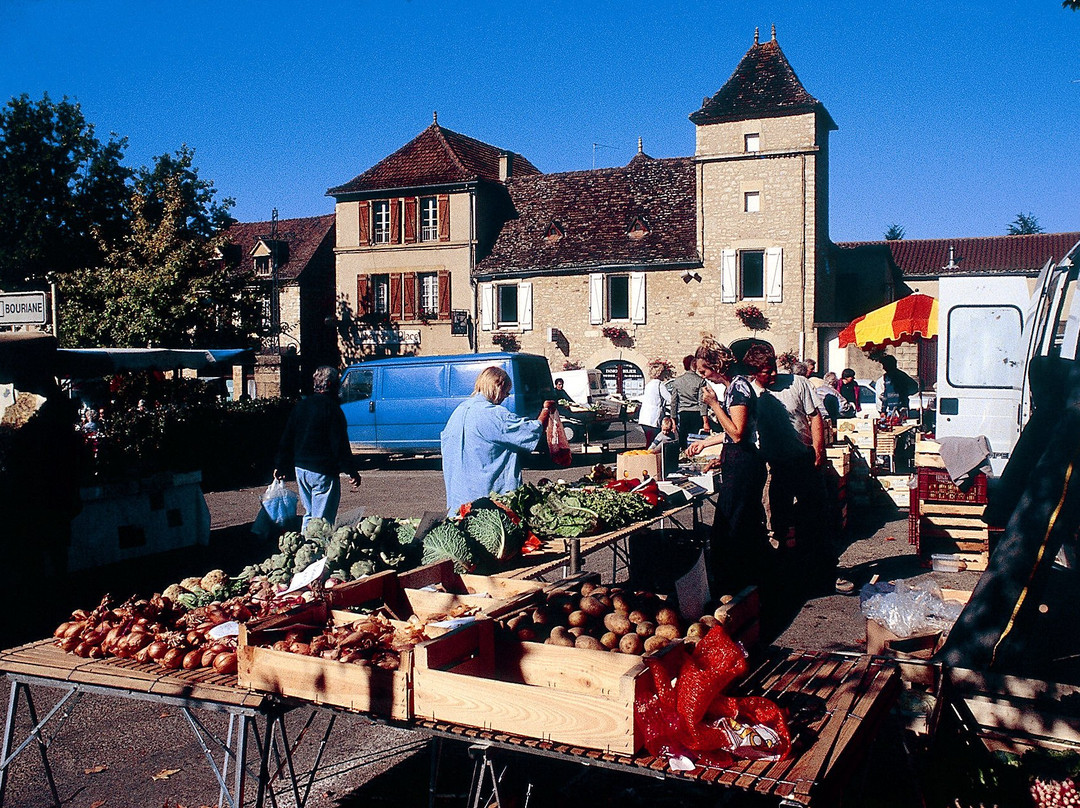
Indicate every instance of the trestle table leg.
{"type": "Point", "coordinates": [198, 730]}
{"type": "Point", "coordinates": [7, 755]}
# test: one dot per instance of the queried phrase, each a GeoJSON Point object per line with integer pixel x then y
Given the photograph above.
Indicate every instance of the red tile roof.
{"type": "Point", "coordinates": [437, 156]}
{"type": "Point", "coordinates": [922, 258]}
{"type": "Point", "coordinates": [763, 86]}
{"type": "Point", "coordinates": [302, 235]}
{"type": "Point", "coordinates": [595, 211]}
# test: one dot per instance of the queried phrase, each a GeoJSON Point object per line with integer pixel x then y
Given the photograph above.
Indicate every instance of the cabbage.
{"type": "Point", "coordinates": [492, 529]}
{"type": "Point", "coordinates": [446, 540]}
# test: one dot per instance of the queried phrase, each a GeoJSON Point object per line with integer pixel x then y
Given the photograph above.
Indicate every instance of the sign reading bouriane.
{"type": "Point", "coordinates": [752, 317]}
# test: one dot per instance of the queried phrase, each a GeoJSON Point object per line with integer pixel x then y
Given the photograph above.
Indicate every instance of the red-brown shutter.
{"type": "Point", "coordinates": [410, 219]}
{"type": "Point", "coordinates": [363, 295]}
{"type": "Point", "coordinates": [395, 221]}
{"type": "Point", "coordinates": [395, 295]}
{"type": "Point", "coordinates": [408, 284]}
{"type": "Point", "coordinates": [365, 223]}
{"type": "Point", "coordinates": [444, 294]}
{"type": "Point", "coordinates": [444, 217]}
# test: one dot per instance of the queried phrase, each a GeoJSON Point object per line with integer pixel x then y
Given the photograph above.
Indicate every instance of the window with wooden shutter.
{"type": "Point", "coordinates": [408, 287]}
{"type": "Point", "coordinates": [729, 277]}
{"type": "Point", "coordinates": [395, 221]}
{"type": "Point", "coordinates": [365, 223]}
{"type": "Point", "coordinates": [395, 295]}
{"type": "Point", "coordinates": [410, 219]}
{"type": "Point", "coordinates": [524, 306]}
{"type": "Point", "coordinates": [596, 299]}
{"type": "Point", "coordinates": [637, 298]}
{"type": "Point", "coordinates": [444, 294]}
{"type": "Point", "coordinates": [487, 306]}
{"type": "Point", "coordinates": [444, 217]}
{"type": "Point", "coordinates": [363, 295]}
{"type": "Point", "coordinates": [774, 274]}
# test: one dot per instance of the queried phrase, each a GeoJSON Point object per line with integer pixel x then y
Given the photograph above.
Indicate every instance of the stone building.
{"type": "Point", "coordinates": [295, 258]}
{"type": "Point", "coordinates": [453, 245]}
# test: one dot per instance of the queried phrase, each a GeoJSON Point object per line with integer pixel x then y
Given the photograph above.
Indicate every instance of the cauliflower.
{"type": "Point", "coordinates": [215, 579]}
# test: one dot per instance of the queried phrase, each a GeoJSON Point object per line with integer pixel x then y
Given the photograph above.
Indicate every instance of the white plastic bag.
{"type": "Point", "coordinates": [279, 503]}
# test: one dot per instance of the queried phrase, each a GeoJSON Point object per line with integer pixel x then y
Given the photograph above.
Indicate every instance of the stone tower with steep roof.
{"type": "Point", "coordinates": [762, 182]}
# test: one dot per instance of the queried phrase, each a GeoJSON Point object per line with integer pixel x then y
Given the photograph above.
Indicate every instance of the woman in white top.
{"type": "Point", "coordinates": [654, 401]}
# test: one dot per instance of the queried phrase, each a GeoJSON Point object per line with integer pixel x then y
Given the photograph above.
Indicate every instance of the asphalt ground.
{"type": "Point", "coordinates": [116, 752]}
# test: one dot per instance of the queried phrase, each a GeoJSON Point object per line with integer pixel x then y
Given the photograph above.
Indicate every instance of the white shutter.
{"type": "Point", "coordinates": [728, 277]}
{"type": "Point", "coordinates": [487, 306]}
{"type": "Point", "coordinates": [596, 299]}
{"type": "Point", "coordinates": [637, 298]}
{"type": "Point", "coordinates": [774, 274]}
{"type": "Point", "coordinates": [525, 306]}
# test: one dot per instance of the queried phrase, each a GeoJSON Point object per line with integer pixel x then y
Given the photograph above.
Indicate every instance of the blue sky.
{"type": "Point", "coordinates": [953, 117]}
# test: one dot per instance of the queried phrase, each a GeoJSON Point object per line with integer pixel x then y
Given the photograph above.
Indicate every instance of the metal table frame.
{"type": "Point", "coordinates": [272, 744]}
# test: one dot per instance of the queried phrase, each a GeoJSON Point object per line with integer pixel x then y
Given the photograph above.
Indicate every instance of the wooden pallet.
{"type": "Point", "coordinates": [834, 703]}
{"type": "Point", "coordinates": [955, 529]}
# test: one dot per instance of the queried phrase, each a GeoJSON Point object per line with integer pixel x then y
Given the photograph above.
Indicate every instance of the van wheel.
{"type": "Point", "coordinates": [573, 432]}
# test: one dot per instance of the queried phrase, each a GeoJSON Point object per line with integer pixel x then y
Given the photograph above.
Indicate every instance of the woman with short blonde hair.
{"type": "Point", "coordinates": [494, 384]}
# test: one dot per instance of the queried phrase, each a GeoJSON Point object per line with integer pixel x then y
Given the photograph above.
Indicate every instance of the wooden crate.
{"type": "Point", "coordinates": [928, 454]}
{"type": "Point", "coordinates": [860, 432]}
{"type": "Point", "coordinates": [1014, 714]}
{"type": "Point", "coordinates": [360, 688]}
{"type": "Point", "coordinates": [897, 487]}
{"type": "Point", "coordinates": [839, 457]}
{"type": "Point", "coordinates": [566, 695]}
{"type": "Point", "coordinates": [437, 588]}
{"type": "Point", "coordinates": [955, 529]}
{"type": "Point", "coordinates": [741, 618]}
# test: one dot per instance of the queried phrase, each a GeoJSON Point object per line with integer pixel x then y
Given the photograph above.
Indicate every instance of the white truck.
{"type": "Point", "coordinates": [989, 328]}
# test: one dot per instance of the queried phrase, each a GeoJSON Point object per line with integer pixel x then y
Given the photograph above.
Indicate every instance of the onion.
{"type": "Point", "coordinates": [82, 649]}
{"type": "Point", "coordinates": [143, 654]}
{"type": "Point", "coordinates": [196, 637]}
{"type": "Point", "coordinates": [192, 660]}
{"type": "Point", "coordinates": [96, 652]}
{"type": "Point", "coordinates": [172, 659]}
{"type": "Point", "coordinates": [69, 644]}
{"type": "Point", "coordinates": [207, 657]}
{"type": "Point", "coordinates": [225, 663]}
{"type": "Point", "coordinates": [156, 650]}
{"type": "Point", "coordinates": [61, 630]}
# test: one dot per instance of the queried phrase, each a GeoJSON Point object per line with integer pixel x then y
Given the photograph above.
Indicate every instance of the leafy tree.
{"type": "Point", "coordinates": [895, 232]}
{"type": "Point", "coordinates": [1073, 4]}
{"type": "Point", "coordinates": [164, 285]}
{"type": "Point", "coordinates": [61, 190]}
{"type": "Point", "coordinates": [1025, 224]}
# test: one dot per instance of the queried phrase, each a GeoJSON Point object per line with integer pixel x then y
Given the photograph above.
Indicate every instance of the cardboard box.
{"type": "Point", "coordinates": [638, 465]}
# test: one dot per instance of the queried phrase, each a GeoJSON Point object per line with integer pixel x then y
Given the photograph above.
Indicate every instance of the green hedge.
{"type": "Point", "coordinates": [232, 443]}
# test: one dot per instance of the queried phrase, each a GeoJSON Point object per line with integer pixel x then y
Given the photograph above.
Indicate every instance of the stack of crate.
{"type": "Point", "coordinates": [837, 472]}
{"type": "Point", "coordinates": [860, 434]}
{"type": "Point", "coordinates": [946, 521]}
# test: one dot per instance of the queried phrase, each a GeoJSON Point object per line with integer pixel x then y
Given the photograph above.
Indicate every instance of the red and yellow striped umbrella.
{"type": "Point", "coordinates": [902, 321]}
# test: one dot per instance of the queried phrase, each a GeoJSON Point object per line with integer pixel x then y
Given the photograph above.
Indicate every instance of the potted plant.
{"type": "Point", "coordinates": [506, 340]}
{"type": "Point", "coordinates": [752, 317]}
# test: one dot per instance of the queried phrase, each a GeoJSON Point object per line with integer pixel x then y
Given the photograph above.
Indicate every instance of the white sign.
{"type": "Point", "coordinates": [25, 308]}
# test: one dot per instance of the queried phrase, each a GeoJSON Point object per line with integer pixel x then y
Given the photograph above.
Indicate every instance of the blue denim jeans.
{"type": "Point", "coordinates": [320, 494]}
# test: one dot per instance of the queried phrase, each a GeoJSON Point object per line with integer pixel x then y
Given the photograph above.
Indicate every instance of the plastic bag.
{"type": "Point", "coordinates": [558, 445]}
{"type": "Point", "coordinates": [279, 503]}
{"type": "Point", "coordinates": [909, 607]}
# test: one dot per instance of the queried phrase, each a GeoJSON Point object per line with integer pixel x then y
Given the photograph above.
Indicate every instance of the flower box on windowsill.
{"type": "Point", "coordinates": [506, 340]}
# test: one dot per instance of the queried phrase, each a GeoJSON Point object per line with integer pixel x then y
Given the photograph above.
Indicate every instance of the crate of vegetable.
{"type": "Point", "coordinates": [437, 587]}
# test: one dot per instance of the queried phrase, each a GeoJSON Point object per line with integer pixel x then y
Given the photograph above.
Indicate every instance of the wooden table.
{"type": "Point", "coordinates": [564, 555]}
{"type": "Point", "coordinates": [835, 703]}
{"type": "Point", "coordinates": [44, 665]}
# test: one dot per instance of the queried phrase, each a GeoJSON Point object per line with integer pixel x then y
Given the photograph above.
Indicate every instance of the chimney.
{"type": "Point", "coordinates": [506, 166]}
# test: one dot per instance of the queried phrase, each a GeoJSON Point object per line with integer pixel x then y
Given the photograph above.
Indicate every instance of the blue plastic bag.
{"type": "Point", "coordinates": [279, 503]}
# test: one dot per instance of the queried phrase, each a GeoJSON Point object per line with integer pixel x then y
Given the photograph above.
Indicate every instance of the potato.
{"type": "Point", "coordinates": [631, 644]}
{"type": "Point", "coordinates": [560, 636]}
{"type": "Point", "coordinates": [646, 628]}
{"type": "Point", "coordinates": [655, 644]}
{"type": "Point", "coordinates": [599, 591]}
{"type": "Point", "coordinates": [542, 616]}
{"type": "Point", "coordinates": [610, 640]}
{"type": "Point", "coordinates": [708, 621]}
{"type": "Point", "coordinates": [576, 631]}
{"type": "Point", "coordinates": [617, 623]}
{"type": "Point", "coordinates": [725, 599]}
{"type": "Point", "coordinates": [667, 616]}
{"type": "Point", "coordinates": [578, 618]}
{"type": "Point", "coordinates": [592, 606]}
{"type": "Point", "coordinates": [639, 616]}
{"type": "Point", "coordinates": [696, 631]}
{"type": "Point", "coordinates": [587, 588]}
{"type": "Point", "coordinates": [589, 643]}
{"type": "Point", "coordinates": [620, 603]}
{"type": "Point", "coordinates": [526, 633]}
{"type": "Point", "coordinates": [721, 616]}
{"type": "Point", "coordinates": [667, 631]}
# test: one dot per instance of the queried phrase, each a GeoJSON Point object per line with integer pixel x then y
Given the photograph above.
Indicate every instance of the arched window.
{"type": "Point", "coordinates": [622, 377]}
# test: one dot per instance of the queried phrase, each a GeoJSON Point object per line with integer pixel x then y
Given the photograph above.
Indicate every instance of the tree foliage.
{"type": "Point", "coordinates": [895, 232]}
{"type": "Point", "coordinates": [164, 284]}
{"type": "Point", "coordinates": [61, 191]}
{"type": "Point", "coordinates": [1025, 224]}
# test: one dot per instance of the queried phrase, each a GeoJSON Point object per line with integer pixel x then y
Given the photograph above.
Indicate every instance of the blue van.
{"type": "Point", "coordinates": [402, 404]}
